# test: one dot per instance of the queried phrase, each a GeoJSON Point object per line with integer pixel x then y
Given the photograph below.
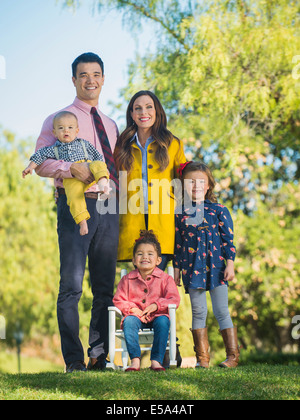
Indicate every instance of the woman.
{"type": "Point", "coordinates": [147, 156]}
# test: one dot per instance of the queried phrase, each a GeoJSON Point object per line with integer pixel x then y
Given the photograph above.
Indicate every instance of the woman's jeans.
{"type": "Point", "coordinates": [161, 327]}
{"type": "Point", "coordinates": [219, 299]}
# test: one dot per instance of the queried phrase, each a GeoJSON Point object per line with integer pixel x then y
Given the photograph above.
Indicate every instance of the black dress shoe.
{"type": "Point", "coordinates": [99, 365]}
{"type": "Point", "coordinates": [77, 366]}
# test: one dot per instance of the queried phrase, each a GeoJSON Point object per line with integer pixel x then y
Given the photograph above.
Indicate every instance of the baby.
{"type": "Point", "coordinates": [72, 149]}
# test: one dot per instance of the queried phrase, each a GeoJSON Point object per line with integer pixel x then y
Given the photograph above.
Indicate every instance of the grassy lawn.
{"type": "Point", "coordinates": [9, 364]}
{"type": "Point", "coordinates": [251, 382]}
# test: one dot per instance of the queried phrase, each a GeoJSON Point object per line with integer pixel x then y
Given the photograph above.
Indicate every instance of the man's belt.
{"type": "Point", "coordinates": [61, 191]}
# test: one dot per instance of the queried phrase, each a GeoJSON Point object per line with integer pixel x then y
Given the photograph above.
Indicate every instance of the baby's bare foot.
{"type": "Point", "coordinates": [83, 228]}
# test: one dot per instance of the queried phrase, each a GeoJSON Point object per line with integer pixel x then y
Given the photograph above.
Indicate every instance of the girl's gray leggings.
{"type": "Point", "coordinates": [219, 299]}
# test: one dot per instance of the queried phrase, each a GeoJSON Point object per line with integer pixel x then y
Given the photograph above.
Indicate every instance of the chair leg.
{"type": "Point", "coordinates": [125, 355]}
{"type": "Point", "coordinates": [125, 359]}
{"type": "Point", "coordinates": [112, 353]}
{"type": "Point", "coordinates": [172, 313]}
{"type": "Point", "coordinates": [111, 339]}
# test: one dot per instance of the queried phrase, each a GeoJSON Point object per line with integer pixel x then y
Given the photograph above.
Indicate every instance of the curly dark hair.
{"type": "Point", "coordinates": [147, 237]}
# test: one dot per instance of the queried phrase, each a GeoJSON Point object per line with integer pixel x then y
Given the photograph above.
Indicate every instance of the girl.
{"type": "Point", "coordinates": [143, 296]}
{"type": "Point", "coordinates": [149, 155]}
{"type": "Point", "coordinates": [203, 244]}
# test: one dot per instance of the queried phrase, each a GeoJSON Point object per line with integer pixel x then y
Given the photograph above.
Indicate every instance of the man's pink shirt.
{"type": "Point", "coordinates": [59, 169]}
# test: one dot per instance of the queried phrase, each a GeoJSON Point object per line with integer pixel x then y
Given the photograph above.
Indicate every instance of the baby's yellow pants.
{"type": "Point", "coordinates": [75, 190]}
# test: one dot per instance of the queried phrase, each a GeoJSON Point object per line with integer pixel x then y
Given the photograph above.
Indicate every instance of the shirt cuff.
{"type": "Point", "coordinates": [65, 170]}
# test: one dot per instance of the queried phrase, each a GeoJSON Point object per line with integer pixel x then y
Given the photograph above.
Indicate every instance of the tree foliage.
{"type": "Point", "coordinates": [28, 245]}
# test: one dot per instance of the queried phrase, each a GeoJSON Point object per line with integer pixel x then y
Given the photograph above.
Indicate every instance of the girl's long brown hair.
{"type": "Point", "coordinates": [163, 137]}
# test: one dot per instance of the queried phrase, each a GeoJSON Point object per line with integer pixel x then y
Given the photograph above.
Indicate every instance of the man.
{"type": "Point", "coordinates": [101, 243]}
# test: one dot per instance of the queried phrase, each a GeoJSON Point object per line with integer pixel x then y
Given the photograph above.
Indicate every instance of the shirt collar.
{"type": "Point", "coordinates": [83, 106]}
{"type": "Point", "coordinates": [206, 201]}
{"type": "Point", "coordinates": [136, 137]}
{"type": "Point", "coordinates": [60, 143]}
{"type": "Point", "coordinates": [135, 274]}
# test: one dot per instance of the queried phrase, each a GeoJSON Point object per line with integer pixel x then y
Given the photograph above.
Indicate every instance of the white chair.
{"type": "Point", "coordinates": [145, 336]}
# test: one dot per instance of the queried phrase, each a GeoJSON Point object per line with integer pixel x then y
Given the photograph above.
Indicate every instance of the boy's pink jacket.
{"type": "Point", "coordinates": [134, 292]}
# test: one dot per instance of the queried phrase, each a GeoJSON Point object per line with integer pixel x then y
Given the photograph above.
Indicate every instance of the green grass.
{"type": "Point", "coordinates": [252, 382]}
{"type": "Point", "coordinates": [9, 364]}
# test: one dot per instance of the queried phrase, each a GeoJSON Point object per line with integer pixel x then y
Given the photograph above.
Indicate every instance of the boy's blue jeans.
{"type": "Point", "coordinates": [161, 327]}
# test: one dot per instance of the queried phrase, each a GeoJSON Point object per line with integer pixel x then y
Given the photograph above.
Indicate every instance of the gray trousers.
{"type": "Point", "coordinates": [219, 299]}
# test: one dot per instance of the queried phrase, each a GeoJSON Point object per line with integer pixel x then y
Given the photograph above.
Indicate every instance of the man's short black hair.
{"type": "Point", "coordinates": [87, 58]}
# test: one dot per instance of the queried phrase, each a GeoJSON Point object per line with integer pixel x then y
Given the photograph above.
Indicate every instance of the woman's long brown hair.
{"type": "Point", "coordinates": [163, 137]}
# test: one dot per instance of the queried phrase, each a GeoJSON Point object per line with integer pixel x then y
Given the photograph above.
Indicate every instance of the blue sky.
{"type": "Point", "coordinates": [38, 42]}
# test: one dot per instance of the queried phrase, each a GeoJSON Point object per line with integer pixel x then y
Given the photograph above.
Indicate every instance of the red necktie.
{"type": "Point", "coordinates": [108, 156]}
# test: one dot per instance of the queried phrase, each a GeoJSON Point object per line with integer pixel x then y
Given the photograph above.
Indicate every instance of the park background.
{"type": "Point", "coordinates": [228, 76]}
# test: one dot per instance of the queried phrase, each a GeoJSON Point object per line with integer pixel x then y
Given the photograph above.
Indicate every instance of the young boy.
{"type": "Point", "coordinates": [143, 296]}
{"type": "Point", "coordinates": [71, 149]}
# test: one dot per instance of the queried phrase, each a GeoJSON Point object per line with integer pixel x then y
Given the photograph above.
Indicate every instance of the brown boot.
{"type": "Point", "coordinates": [232, 348]}
{"type": "Point", "coordinates": [201, 347]}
